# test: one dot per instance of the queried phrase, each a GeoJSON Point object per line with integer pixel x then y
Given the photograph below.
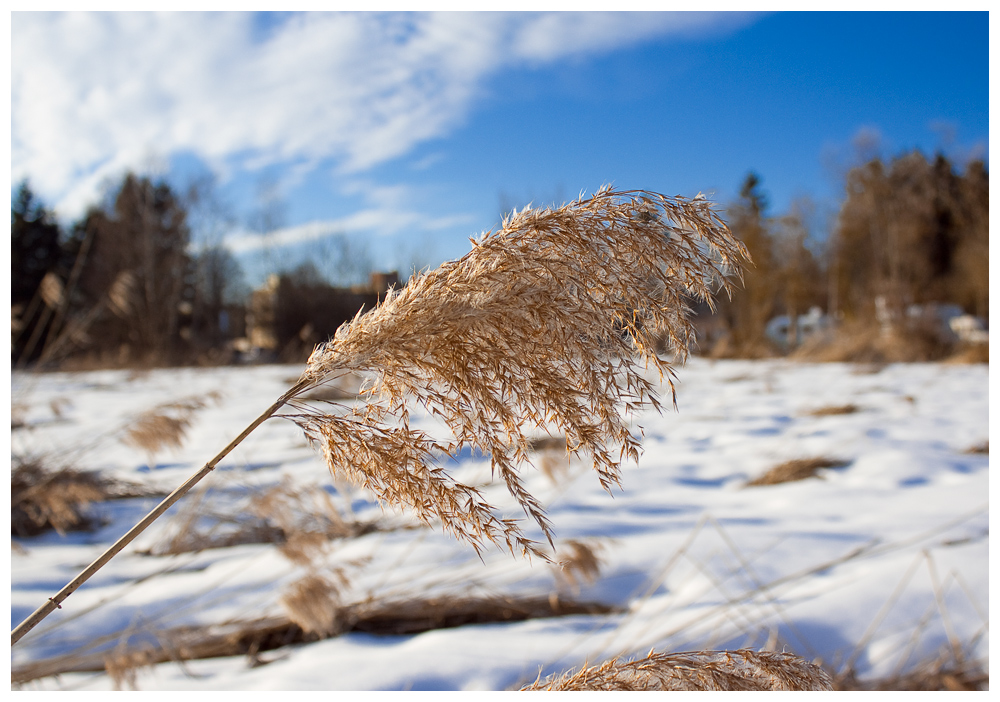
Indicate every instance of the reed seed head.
{"type": "Point", "coordinates": [699, 670]}
{"type": "Point", "coordinates": [548, 323]}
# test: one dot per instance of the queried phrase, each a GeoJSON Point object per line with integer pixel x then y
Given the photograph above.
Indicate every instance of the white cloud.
{"type": "Point", "coordinates": [95, 93]}
{"type": "Point", "coordinates": [385, 220]}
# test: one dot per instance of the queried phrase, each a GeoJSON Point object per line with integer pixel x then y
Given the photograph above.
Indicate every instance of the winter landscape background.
{"type": "Point", "coordinates": [876, 566]}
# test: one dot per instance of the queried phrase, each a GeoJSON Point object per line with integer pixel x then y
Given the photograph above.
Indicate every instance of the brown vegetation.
{"type": "Point", "coordinates": [165, 426]}
{"type": "Point", "coordinates": [601, 281]}
{"type": "Point", "coordinates": [253, 637]}
{"type": "Point", "coordinates": [979, 448]}
{"type": "Point", "coordinates": [700, 670]}
{"type": "Point", "coordinates": [577, 561]}
{"type": "Point", "coordinates": [833, 410]}
{"type": "Point", "coordinates": [43, 498]}
{"type": "Point", "coordinates": [798, 469]}
{"type": "Point", "coordinates": [301, 520]}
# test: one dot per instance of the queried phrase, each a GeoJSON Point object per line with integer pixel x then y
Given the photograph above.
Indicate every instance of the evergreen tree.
{"type": "Point", "coordinates": [35, 253]}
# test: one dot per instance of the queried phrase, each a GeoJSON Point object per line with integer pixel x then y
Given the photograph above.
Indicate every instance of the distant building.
{"type": "Point", "coordinates": [814, 322]}
{"type": "Point", "coordinates": [287, 317]}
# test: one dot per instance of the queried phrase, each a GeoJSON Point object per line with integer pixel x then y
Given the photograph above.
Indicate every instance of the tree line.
{"type": "Point", "coordinates": [122, 283]}
{"type": "Point", "coordinates": [910, 232]}
{"type": "Point", "coordinates": [125, 285]}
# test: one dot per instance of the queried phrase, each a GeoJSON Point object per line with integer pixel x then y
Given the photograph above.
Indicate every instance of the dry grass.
{"type": "Point", "coordinates": [578, 561]}
{"type": "Point", "coordinates": [983, 448]}
{"type": "Point", "coordinates": [935, 675]}
{"type": "Point", "coordinates": [833, 410]}
{"type": "Point", "coordinates": [546, 323]}
{"type": "Point", "coordinates": [59, 499]}
{"type": "Point", "coordinates": [700, 670]}
{"type": "Point", "coordinates": [165, 426]}
{"type": "Point", "coordinates": [551, 457]}
{"type": "Point", "coordinates": [253, 637]}
{"type": "Point", "coordinates": [301, 520]}
{"type": "Point", "coordinates": [973, 353]}
{"type": "Point", "coordinates": [859, 342]}
{"type": "Point", "coordinates": [798, 469]}
{"type": "Point", "coordinates": [313, 603]}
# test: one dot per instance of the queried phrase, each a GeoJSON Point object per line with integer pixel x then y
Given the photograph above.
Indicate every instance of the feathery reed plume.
{"type": "Point", "coordinates": [547, 322]}
{"type": "Point", "coordinates": [699, 670]}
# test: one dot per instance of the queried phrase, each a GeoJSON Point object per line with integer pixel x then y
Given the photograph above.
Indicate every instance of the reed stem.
{"type": "Point", "coordinates": [55, 602]}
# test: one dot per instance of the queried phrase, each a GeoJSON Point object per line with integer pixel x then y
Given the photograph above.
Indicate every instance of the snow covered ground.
{"type": "Point", "coordinates": [871, 566]}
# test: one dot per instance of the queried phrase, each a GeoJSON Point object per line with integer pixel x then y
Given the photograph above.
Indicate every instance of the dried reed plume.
{"type": "Point", "coordinates": [547, 323]}
{"type": "Point", "coordinates": [701, 670]}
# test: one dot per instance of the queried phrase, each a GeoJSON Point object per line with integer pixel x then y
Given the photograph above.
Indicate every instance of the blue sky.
{"type": "Point", "coordinates": [407, 133]}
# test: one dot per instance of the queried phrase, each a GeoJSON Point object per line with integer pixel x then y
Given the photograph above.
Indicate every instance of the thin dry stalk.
{"type": "Point", "coordinates": [699, 670]}
{"type": "Point", "coordinates": [798, 469]}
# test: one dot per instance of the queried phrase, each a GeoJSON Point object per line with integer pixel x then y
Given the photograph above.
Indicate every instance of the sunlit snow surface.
{"type": "Point", "coordinates": [872, 565]}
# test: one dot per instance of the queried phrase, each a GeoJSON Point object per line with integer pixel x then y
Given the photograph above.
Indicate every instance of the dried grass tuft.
{"type": "Point", "coordinates": [934, 675]}
{"type": "Point", "coordinates": [546, 323]}
{"type": "Point", "coordinates": [123, 667]}
{"type": "Point", "coordinates": [42, 498]}
{"type": "Point", "coordinates": [578, 562]}
{"type": "Point", "coordinates": [301, 520]}
{"type": "Point", "coordinates": [164, 426]}
{"type": "Point", "coordinates": [700, 670]}
{"type": "Point", "coordinates": [833, 410]}
{"type": "Point", "coordinates": [980, 448]}
{"type": "Point", "coordinates": [798, 469]}
{"type": "Point", "coordinates": [550, 457]}
{"type": "Point", "coordinates": [313, 603]}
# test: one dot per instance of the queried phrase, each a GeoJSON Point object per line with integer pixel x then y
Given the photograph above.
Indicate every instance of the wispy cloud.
{"type": "Point", "coordinates": [381, 221]}
{"type": "Point", "coordinates": [95, 93]}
